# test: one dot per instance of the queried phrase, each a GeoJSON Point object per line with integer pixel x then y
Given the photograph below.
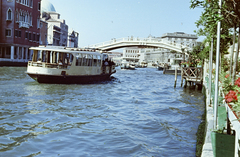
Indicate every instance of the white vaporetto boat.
{"type": "Point", "coordinates": [69, 65]}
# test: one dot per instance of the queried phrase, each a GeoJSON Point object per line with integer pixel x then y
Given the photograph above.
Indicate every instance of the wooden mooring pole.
{"type": "Point", "coordinates": [175, 77]}
{"type": "Point", "coordinates": [181, 76]}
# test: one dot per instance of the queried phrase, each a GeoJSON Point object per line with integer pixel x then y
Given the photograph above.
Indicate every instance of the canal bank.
{"type": "Point", "coordinates": [207, 150]}
{"type": "Point", "coordinates": [224, 139]}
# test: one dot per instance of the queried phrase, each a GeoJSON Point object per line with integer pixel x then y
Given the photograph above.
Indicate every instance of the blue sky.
{"type": "Point", "coordinates": [101, 20]}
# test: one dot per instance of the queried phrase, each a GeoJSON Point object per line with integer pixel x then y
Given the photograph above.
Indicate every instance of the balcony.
{"type": "Point", "coordinates": [23, 24]}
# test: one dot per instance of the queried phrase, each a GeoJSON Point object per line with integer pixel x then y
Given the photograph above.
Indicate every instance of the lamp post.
{"type": "Point", "coordinates": [217, 69]}
{"type": "Point", "coordinates": [210, 70]}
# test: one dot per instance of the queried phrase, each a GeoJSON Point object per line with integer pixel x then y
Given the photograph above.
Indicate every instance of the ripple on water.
{"type": "Point", "coordinates": [137, 113]}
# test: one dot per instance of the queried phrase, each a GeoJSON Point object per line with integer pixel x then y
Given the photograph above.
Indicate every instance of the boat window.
{"type": "Point", "coordinates": [79, 60]}
{"type": "Point", "coordinates": [55, 56]}
{"type": "Point", "coordinates": [89, 60]}
{"type": "Point", "coordinates": [43, 56]}
{"type": "Point", "coordinates": [36, 55]}
{"type": "Point", "coordinates": [66, 58]}
{"type": "Point", "coordinates": [105, 56]}
{"type": "Point", "coordinates": [48, 53]}
{"type": "Point", "coordinates": [99, 61]}
{"type": "Point", "coordinates": [71, 58]}
{"type": "Point", "coordinates": [95, 60]}
{"type": "Point", "coordinates": [59, 57]}
{"type": "Point", "coordinates": [84, 60]}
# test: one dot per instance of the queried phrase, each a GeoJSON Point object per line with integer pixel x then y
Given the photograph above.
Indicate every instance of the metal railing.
{"type": "Point", "coordinates": [47, 65]}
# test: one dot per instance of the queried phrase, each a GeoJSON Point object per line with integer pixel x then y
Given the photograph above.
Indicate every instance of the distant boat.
{"type": "Point", "coordinates": [69, 65]}
{"type": "Point", "coordinates": [143, 64]}
{"type": "Point", "coordinates": [160, 66]}
{"type": "Point", "coordinates": [171, 69]}
{"type": "Point", "coordinates": [132, 67]}
{"type": "Point", "coordinates": [127, 65]}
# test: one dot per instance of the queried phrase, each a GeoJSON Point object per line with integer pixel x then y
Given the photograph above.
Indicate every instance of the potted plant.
{"type": "Point", "coordinates": [223, 144]}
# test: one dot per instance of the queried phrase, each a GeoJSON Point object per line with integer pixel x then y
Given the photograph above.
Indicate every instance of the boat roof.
{"type": "Point", "coordinates": [66, 49]}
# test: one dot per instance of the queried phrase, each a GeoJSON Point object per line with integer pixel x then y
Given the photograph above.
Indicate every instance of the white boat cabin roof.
{"type": "Point", "coordinates": [74, 51]}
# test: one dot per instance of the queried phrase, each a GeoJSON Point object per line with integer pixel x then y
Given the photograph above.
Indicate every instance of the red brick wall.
{"type": "Point", "coordinates": [32, 29]}
{"type": "Point", "coordinates": [5, 5]}
{"type": "Point", "coordinates": [13, 25]}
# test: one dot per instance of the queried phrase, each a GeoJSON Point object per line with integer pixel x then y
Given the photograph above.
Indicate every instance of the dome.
{"type": "Point", "coordinates": [46, 6]}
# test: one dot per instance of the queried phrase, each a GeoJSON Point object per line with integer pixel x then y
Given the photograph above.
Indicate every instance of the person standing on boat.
{"type": "Point", "coordinates": [106, 62]}
{"type": "Point", "coordinates": [60, 62]}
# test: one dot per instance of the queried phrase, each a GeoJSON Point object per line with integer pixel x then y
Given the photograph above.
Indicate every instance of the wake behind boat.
{"type": "Point", "coordinates": [69, 65]}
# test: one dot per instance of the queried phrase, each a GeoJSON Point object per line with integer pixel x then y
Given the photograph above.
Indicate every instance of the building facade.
{"type": "Point", "coordinates": [73, 39]}
{"type": "Point", "coordinates": [189, 40]}
{"type": "Point", "coordinates": [131, 54]}
{"type": "Point", "coordinates": [161, 55]}
{"type": "Point", "coordinates": [19, 30]}
{"type": "Point", "coordinates": [43, 33]}
{"type": "Point", "coordinates": [57, 28]}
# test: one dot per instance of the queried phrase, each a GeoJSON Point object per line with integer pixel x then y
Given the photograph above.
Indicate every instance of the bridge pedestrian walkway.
{"type": "Point", "coordinates": [141, 43]}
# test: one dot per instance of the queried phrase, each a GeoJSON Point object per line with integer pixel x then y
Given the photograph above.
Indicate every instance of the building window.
{"type": "Point", "coordinates": [29, 36]}
{"type": "Point", "coordinates": [16, 33]}
{"type": "Point", "coordinates": [38, 22]}
{"type": "Point", "coordinates": [31, 3]}
{"type": "Point", "coordinates": [21, 16]}
{"type": "Point", "coordinates": [34, 37]}
{"type": "Point", "coordinates": [26, 35]}
{"type": "Point", "coordinates": [9, 14]}
{"type": "Point", "coordinates": [38, 38]}
{"type": "Point", "coordinates": [26, 17]}
{"type": "Point", "coordinates": [39, 6]}
{"type": "Point", "coordinates": [16, 16]}
{"type": "Point", "coordinates": [30, 22]}
{"type": "Point", "coordinates": [8, 33]}
{"type": "Point", "coordinates": [20, 34]}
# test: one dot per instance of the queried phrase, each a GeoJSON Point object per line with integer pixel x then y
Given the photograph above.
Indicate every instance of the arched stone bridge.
{"type": "Point", "coordinates": [141, 43]}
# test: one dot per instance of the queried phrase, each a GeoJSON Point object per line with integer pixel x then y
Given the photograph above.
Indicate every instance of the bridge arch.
{"type": "Point", "coordinates": [141, 43]}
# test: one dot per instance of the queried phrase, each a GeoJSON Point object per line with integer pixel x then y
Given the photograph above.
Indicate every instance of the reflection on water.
{"type": "Point", "coordinates": [137, 113]}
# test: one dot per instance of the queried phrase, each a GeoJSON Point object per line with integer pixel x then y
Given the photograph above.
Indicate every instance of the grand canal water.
{"type": "Point", "coordinates": [137, 113]}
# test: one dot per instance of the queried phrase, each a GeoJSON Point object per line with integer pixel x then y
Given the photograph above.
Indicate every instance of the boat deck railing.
{"type": "Point", "coordinates": [48, 65]}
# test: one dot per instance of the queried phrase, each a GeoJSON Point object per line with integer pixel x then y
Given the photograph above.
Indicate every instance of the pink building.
{"type": "Point", "coordinates": [19, 30]}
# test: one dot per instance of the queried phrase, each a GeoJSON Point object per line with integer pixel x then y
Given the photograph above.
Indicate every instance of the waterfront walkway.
{"type": "Point", "coordinates": [223, 145]}
{"type": "Point", "coordinates": [207, 150]}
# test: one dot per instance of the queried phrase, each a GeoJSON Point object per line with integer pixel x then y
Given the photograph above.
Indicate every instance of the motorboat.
{"type": "Point", "coordinates": [132, 67]}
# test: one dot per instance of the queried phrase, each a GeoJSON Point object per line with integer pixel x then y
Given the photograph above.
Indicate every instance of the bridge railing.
{"type": "Point", "coordinates": [135, 39]}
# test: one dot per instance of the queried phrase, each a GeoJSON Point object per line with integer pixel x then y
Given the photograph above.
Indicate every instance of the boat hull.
{"type": "Point", "coordinates": [160, 68]}
{"type": "Point", "coordinates": [171, 71]}
{"type": "Point", "coordinates": [66, 79]}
